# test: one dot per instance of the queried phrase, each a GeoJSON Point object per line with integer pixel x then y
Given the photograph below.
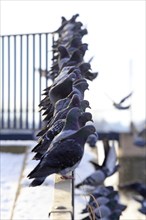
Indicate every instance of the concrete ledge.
{"type": "Point", "coordinates": [62, 208]}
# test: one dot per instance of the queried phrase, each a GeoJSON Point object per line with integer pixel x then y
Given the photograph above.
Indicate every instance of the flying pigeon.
{"type": "Point", "coordinates": [64, 155]}
{"type": "Point", "coordinates": [119, 105]}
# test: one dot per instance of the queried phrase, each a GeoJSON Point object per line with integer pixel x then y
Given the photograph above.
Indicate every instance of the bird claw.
{"type": "Point", "coordinates": [67, 177]}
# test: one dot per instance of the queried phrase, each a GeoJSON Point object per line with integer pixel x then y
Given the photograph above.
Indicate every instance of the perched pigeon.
{"type": "Point", "coordinates": [75, 59]}
{"type": "Point", "coordinates": [142, 209]}
{"type": "Point", "coordinates": [61, 89]}
{"type": "Point", "coordinates": [134, 187]}
{"type": "Point", "coordinates": [79, 89]}
{"type": "Point", "coordinates": [63, 56]}
{"type": "Point", "coordinates": [63, 156]}
{"type": "Point", "coordinates": [98, 177]}
{"type": "Point", "coordinates": [106, 210]}
{"type": "Point", "coordinates": [56, 128]}
{"type": "Point", "coordinates": [64, 105]}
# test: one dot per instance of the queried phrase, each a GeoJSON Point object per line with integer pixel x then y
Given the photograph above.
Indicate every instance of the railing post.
{"type": "Point", "coordinates": [62, 208]}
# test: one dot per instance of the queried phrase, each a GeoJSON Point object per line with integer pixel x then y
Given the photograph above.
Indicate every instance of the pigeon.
{"type": "Point", "coordinates": [92, 139]}
{"type": "Point", "coordinates": [61, 89]}
{"type": "Point", "coordinates": [106, 210]}
{"type": "Point", "coordinates": [64, 155]}
{"type": "Point", "coordinates": [66, 71]}
{"type": "Point", "coordinates": [82, 32]}
{"type": "Point", "coordinates": [74, 43]}
{"type": "Point", "coordinates": [56, 128]}
{"type": "Point", "coordinates": [142, 209]}
{"type": "Point", "coordinates": [102, 190]}
{"type": "Point", "coordinates": [63, 56]}
{"type": "Point", "coordinates": [84, 67]}
{"type": "Point", "coordinates": [75, 59]}
{"type": "Point", "coordinates": [98, 177]}
{"type": "Point", "coordinates": [134, 187]}
{"type": "Point", "coordinates": [59, 130]}
{"type": "Point", "coordinates": [65, 22]}
{"type": "Point", "coordinates": [62, 109]}
{"type": "Point", "coordinates": [91, 75]}
{"type": "Point", "coordinates": [74, 102]}
{"type": "Point", "coordinates": [101, 200]}
{"type": "Point", "coordinates": [119, 104]}
{"type": "Point", "coordinates": [80, 88]}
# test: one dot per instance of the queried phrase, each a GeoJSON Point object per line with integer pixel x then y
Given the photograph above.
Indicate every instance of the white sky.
{"type": "Point", "coordinates": [116, 38]}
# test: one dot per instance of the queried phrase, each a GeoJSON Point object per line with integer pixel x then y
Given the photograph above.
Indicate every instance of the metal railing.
{"type": "Point", "coordinates": [21, 79]}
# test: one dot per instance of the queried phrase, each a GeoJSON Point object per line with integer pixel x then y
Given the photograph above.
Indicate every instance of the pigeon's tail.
{"type": "Point", "coordinates": [37, 156]}
{"type": "Point", "coordinates": [37, 182]}
{"type": "Point", "coordinates": [86, 218]}
{"type": "Point", "coordinates": [41, 172]}
{"type": "Point", "coordinates": [79, 185]}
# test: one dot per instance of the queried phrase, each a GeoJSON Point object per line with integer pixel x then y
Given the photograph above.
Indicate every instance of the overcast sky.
{"type": "Point", "coordinates": [116, 38]}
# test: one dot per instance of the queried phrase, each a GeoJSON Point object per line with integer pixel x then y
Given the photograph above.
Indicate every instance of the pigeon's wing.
{"type": "Point", "coordinates": [118, 106]}
{"type": "Point", "coordinates": [122, 100]}
{"type": "Point", "coordinates": [111, 160]}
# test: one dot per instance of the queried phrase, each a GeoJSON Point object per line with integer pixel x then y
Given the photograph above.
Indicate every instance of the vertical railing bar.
{"type": "Point", "coordinates": [73, 192]}
{"type": "Point", "coordinates": [33, 109]}
{"type": "Point", "coordinates": [27, 81]}
{"type": "Point", "coordinates": [8, 124]}
{"type": "Point", "coordinates": [46, 58]}
{"type": "Point", "coordinates": [21, 49]}
{"type": "Point", "coordinates": [3, 80]}
{"type": "Point", "coordinates": [14, 124]}
{"type": "Point", "coordinates": [40, 75]}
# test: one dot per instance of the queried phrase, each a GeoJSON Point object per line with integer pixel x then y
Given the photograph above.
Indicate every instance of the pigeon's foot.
{"type": "Point", "coordinates": [67, 177]}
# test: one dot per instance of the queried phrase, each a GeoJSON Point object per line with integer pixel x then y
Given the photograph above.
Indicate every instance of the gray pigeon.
{"type": "Point", "coordinates": [61, 89]}
{"type": "Point", "coordinates": [98, 177]}
{"type": "Point", "coordinates": [64, 155]}
{"type": "Point", "coordinates": [56, 128]}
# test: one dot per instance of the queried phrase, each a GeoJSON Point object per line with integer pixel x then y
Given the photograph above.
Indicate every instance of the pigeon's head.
{"type": "Point", "coordinates": [84, 67]}
{"type": "Point", "coordinates": [84, 32]}
{"type": "Point", "coordinates": [83, 47]}
{"type": "Point", "coordinates": [89, 129]}
{"type": "Point", "coordinates": [63, 51]}
{"type": "Point", "coordinates": [85, 104]}
{"type": "Point", "coordinates": [73, 112]}
{"type": "Point", "coordinates": [76, 41]}
{"type": "Point", "coordinates": [63, 19]}
{"type": "Point", "coordinates": [82, 86]}
{"type": "Point", "coordinates": [85, 117]}
{"type": "Point", "coordinates": [77, 26]}
{"type": "Point", "coordinates": [92, 139]}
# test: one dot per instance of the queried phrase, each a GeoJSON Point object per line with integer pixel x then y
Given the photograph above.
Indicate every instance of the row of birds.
{"type": "Point", "coordinates": [60, 147]}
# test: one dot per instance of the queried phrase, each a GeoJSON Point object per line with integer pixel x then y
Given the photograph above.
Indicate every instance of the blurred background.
{"type": "Point", "coordinates": [116, 41]}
